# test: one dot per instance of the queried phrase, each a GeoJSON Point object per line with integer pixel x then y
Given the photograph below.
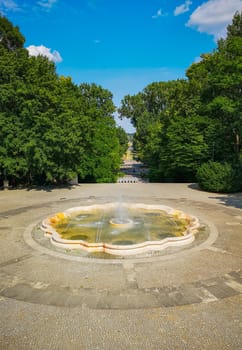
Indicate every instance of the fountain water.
{"type": "Point", "coordinates": [121, 217]}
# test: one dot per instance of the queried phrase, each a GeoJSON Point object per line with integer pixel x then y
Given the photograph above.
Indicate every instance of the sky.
{"type": "Point", "coordinates": [122, 45]}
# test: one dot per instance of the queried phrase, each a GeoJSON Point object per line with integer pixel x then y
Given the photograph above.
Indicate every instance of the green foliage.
{"type": "Point", "coordinates": [219, 177]}
{"type": "Point", "coordinates": [51, 129]}
{"type": "Point", "coordinates": [185, 149]}
{"type": "Point", "coordinates": [219, 77]}
{"type": "Point", "coordinates": [10, 37]}
{"type": "Point", "coordinates": [123, 140]}
{"type": "Point", "coordinates": [235, 28]}
{"type": "Point", "coordinates": [185, 123]}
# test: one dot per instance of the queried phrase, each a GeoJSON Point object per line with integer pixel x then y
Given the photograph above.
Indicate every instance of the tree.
{"type": "Point", "coordinates": [185, 149]}
{"type": "Point", "coordinates": [219, 76]}
{"type": "Point", "coordinates": [123, 140]}
{"type": "Point", "coordinates": [10, 36]}
{"type": "Point", "coordinates": [184, 123]}
{"type": "Point", "coordinates": [168, 135]}
{"type": "Point", "coordinates": [102, 147]}
{"type": "Point", "coordinates": [50, 128]}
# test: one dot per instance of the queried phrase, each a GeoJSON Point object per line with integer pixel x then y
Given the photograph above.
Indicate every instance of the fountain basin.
{"type": "Point", "coordinates": [96, 228]}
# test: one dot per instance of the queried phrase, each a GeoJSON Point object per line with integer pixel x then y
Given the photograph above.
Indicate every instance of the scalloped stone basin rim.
{"type": "Point", "coordinates": [132, 249]}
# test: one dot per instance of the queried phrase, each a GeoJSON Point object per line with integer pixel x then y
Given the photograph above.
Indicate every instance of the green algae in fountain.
{"type": "Point", "coordinates": [120, 229]}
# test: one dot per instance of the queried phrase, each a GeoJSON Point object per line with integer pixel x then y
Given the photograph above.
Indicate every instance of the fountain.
{"type": "Point", "coordinates": [120, 229]}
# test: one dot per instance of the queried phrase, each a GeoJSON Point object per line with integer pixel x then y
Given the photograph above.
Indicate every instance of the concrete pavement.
{"type": "Point", "coordinates": [183, 298]}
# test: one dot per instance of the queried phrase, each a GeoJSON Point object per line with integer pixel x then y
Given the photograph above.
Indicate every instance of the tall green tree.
{"type": "Point", "coordinates": [102, 143]}
{"type": "Point", "coordinates": [10, 36]}
{"type": "Point", "coordinates": [168, 134]}
{"type": "Point", "coordinates": [50, 128]}
{"type": "Point", "coordinates": [182, 124]}
{"type": "Point", "coordinates": [219, 75]}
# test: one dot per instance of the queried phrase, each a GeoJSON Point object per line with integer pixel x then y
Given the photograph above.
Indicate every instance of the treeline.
{"type": "Point", "coordinates": [51, 129]}
{"type": "Point", "coordinates": [190, 129]}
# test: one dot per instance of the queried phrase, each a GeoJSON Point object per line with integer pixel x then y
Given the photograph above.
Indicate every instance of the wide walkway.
{"type": "Point", "coordinates": [183, 298]}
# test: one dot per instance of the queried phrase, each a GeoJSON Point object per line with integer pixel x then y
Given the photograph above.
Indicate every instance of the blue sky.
{"type": "Point", "coordinates": [122, 45]}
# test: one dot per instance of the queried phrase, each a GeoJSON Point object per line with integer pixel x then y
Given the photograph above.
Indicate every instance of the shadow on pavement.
{"type": "Point", "coordinates": [194, 186]}
{"type": "Point", "coordinates": [230, 200]}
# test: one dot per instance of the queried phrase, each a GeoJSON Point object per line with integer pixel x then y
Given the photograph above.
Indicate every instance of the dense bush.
{"type": "Point", "coordinates": [220, 177]}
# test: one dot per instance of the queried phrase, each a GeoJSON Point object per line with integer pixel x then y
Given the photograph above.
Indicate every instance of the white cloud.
{"type": "Point", "coordinates": [44, 51]}
{"type": "Point", "coordinates": [8, 5]}
{"type": "Point", "coordinates": [158, 14]}
{"type": "Point", "coordinates": [213, 16]}
{"type": "Point", "coordinates": [46, 4]}
{"type": "Point", "coordinates": [96, 41]}
{"type": "Point", "coordinates": [182, 8]}
{"type": "Point", "coordinates": [17, 5]}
